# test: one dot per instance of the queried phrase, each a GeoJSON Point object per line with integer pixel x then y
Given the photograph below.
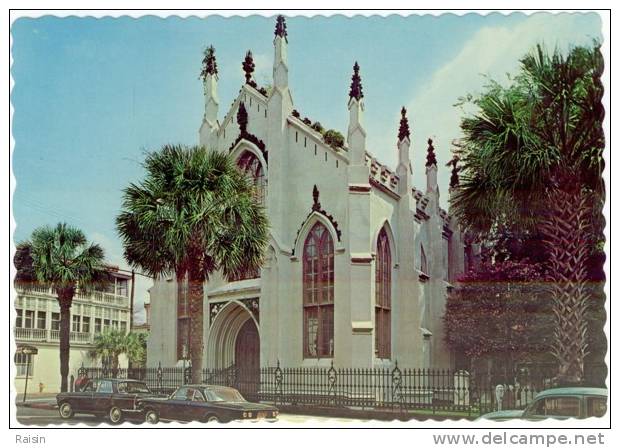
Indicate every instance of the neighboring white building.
{"type": "Point", "coordinates": [38, 324]}
{"type": "Point", "coordinates": [358, 263]}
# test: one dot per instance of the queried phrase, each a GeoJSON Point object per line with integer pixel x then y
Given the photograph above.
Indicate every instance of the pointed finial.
{"type": "Point", "coordinates": [316, 205]}
{"type": "Point", "coordinates": [403, 130]}
{"type": "Point", "coordinates": [356, 84]}
{"type": "Point", "coordinates": [248, 66]}
{"type": "Point", "coordinates": [281, 27]}
{"type": "Point", "coordinates": [242, 118]}
{"type": "Point", "coordinates": [430, 155]}
{"type": "Point", "coordinates": [454, 178]}
{"type": "Point", "coordinates": [209, 64]}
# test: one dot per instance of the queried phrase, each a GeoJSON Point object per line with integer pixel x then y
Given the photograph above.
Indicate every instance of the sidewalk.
{"type": "Point", "coordinates": [39, 401]}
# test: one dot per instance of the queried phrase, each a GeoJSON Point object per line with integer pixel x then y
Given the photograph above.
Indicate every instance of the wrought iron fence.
{"type": "Point", "coordinates": [378, 389]}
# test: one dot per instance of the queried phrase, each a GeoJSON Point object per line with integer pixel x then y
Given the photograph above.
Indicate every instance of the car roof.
{"type": "Point", "coordinates": [117, 380]}
{"type": "Point", "coordinates": [573, 391]}
{"type": "Point", "coordinates": [207, 386]}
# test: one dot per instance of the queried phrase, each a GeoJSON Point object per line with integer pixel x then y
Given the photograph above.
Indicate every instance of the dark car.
{"type": "Point", "coordinates": [114, 398]}
{"type": "Point", "coordinates": [559, 403]}
{"type": "Point", "coordinates": [205, 403]}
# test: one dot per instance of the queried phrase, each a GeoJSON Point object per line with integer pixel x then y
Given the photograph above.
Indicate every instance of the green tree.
{"type": "Point", "coordinates": [112, 343]}
{"type": "Point", "coordinates": [193, 214]}
{"type": "Point", "coordinates": [497, 312]}
{"type": "Point", "coordinates": [60, 258]}
{"type": "Point", "coordinates": [531, 166]}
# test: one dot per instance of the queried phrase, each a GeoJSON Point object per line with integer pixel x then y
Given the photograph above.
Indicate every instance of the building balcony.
{"type": "Point", "coordinates": [95, 297]}
{"type": "Point", "coordinates": [44, 335]}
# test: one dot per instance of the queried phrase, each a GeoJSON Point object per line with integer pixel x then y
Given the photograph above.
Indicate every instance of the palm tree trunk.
{"type": "Point", "coordinates": [65, 298]}
{"type": "Point", "coordinates": [114, 365]}
{"type": "Point", "coordinates": [567, 232]}
{"type": "Point", "coordinates": [196, 343]}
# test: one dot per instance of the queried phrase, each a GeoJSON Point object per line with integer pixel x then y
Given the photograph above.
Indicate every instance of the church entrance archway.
{"type": "Point", "coordinates": [234, 343]}
{"type": "Point", "coordinates": [247, 358]}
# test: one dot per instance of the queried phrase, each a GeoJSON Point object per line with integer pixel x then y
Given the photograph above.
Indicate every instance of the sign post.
{"type": "Point", "coordinates": [29, 351]}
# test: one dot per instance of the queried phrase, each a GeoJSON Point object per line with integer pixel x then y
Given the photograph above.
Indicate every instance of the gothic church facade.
{"type": "Point", "coordinates": [359, 261]}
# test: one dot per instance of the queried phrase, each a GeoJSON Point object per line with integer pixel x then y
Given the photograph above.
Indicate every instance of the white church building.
{"type": "Point", "coordinates": [359, 261]}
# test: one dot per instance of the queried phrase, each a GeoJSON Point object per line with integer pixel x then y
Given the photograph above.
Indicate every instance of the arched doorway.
{"type": "Point", "coordinates": [247, 359]}
{"type": "Point", "coordinates": [234, 343]}
{"type": "Point", "coordinates": [247, 347]}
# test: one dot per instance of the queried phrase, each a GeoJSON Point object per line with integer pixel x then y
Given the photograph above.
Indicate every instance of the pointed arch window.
{"type": "Point", "coordinates": [183, 317]}
{"type": "Point", "coordinates": [383, 297]}
{"type": "Point", "coordinates": [253, 168]}
{"type": "Point", "coordinates": [318, 289]}
{"type": "Point", "coordinates": [423, 262]}
{"type": "Point", "coordinates": [251, 165]}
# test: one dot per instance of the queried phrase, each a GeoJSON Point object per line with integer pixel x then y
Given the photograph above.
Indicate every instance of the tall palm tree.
{"type": "Point", "coordinates": [61, 258]}
{"type": "Point", "coordinates": [193, 214]}
{"type": "Point", "coordinates": [112, 343]}
{"type": "Point", "coordinates": [532, 164]}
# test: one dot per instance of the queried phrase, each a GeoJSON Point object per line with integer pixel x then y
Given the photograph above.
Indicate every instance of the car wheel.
{"type": "Point", "coordinates": [115, 415]}
{"type": "Point", "coordinates": [212, 418]}
{"type": "Point", "coordinates": [151, 417]}
{"type": "Point", "coordinates": [65, 410]}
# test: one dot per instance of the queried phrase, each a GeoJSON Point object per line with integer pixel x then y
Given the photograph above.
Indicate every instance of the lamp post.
{"type": "Point", "coordinates": [184, 356]}
{"type": "Point", "coordinates": [27, 350]}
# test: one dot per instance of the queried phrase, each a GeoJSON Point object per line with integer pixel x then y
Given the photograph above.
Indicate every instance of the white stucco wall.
{"type": "Point", "coordinates": [361, 195]}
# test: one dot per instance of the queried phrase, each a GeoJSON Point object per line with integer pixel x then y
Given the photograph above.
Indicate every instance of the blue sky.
{"type": "Point", "coordinates": [91, 95]}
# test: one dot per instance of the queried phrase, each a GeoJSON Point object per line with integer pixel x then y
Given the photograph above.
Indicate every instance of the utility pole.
{"type": "Point", "coordinates": [133, 288]}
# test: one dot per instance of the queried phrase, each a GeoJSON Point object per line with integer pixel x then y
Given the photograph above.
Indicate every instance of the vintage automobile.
{"type": "Point", "coordinates": [205, 403]}
{"type": "Point", "coordinates": [114, 398]}
{"type": "Point", "coordinates": [560, 403]}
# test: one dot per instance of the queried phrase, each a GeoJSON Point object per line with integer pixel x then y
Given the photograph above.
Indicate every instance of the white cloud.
{"type": "Point", "coordinates": [493, 51]}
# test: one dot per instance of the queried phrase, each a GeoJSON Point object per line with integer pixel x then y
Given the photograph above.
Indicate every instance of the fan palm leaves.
{"type": "Point", "coordinates": [113, 343]}
{"type": "Point", "coordinates": [61, 258]}
{"type": "Point", "coordinates": [194, 213]}
{"type": "Point", "coordinates": [531, 159]}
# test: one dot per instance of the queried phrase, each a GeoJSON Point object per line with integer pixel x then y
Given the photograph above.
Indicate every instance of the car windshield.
{"type": "Point", "coordinates": [133, 388]}
{"type": "Point", "coordinates": [224, 395]}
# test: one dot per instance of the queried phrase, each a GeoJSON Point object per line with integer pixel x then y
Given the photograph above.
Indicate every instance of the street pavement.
{"type": "Point", "coordinates": [40, 413]}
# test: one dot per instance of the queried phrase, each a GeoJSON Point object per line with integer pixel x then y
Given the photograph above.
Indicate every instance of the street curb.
{"type": "Point", "coordinates": [46, 406]}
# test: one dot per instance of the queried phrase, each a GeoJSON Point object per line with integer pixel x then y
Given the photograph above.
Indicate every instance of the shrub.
{"type": "Point", "coordinates": [333, 138]}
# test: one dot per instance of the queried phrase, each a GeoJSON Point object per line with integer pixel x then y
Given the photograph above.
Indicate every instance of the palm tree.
{"type": "Point", "coordinates": [193, 214]}
{"type": "Point", "coordinates": [109, 345]}
{"type": "Point", "coordinates": [531, 165]}
{"type": "Point", "coordinates": [112, 343]}
{"type": "Point", "coordinates": [60, 258]}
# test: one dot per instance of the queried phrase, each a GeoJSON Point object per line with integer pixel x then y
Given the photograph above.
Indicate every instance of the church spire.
{"type": "Point", "coordinates": [248, 66]}
{"type": "Point", "coordinates": [356, 135]}
{"type": "Point", "coordinates": [280, 59]}
{"type": "Point", "coordinates": [431, 172]}
{"type": "Point", "coordinates": [356, 84]}
{"type": "Point", "coordinates": [281, 27]}
{"type": "Point", "coordinates": [403, 130]}
{"type": "Point", "coordinates": [430, 154]}
{"type": "Point", "coordinates": [209, 64]}
{"type": "Point", "coordinates": [403, 169]}
{"type": "Point", "coordinates": [208, 73]}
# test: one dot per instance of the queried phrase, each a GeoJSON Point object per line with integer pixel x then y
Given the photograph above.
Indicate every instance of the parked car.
{"type": "Point", "coordinates": [560, 403]}
{"type": "Point", "coordinates": [205, 403]}
{"type": "Point", "coordinates": [114, 398]}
